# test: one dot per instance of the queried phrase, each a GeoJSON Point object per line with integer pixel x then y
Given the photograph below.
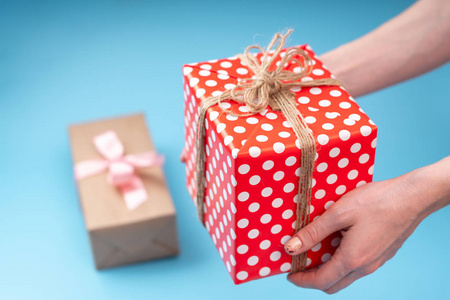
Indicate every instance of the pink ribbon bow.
{"type": "Point", "coordinates": [121, 169]}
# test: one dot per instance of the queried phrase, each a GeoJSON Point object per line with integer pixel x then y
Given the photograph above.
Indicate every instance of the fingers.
{"type": "Point", "coordinates": [321, 278]}
{"type": "Point", "coordinates": [344, 282]}
{"type": "Point", "coordinates": [183, 157]}
{"type": "Point", "coordinates": [334, 219]}
{"type": "Point", "coordinates": [355, 275]}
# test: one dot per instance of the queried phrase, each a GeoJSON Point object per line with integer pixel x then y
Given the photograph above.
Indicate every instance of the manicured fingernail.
{"type": "Point", "coordinates": [293, 245]}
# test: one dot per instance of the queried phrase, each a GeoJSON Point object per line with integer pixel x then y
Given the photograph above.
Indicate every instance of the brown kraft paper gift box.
{"type": "Point", "coordinates": [119, 236]}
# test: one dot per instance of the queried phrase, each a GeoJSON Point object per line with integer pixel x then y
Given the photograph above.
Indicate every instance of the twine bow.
{"type": "Point", "coordinates": [270, 88]}
{"type": "Point", "coordinates": [121, 168]}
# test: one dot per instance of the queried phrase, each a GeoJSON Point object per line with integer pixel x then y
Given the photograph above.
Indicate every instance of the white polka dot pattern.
{"type": "Point", "coordinates": [252, 166]}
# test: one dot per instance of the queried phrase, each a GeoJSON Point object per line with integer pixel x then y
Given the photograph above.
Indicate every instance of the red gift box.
{"type": "Point", "coordinates": [253, 164]}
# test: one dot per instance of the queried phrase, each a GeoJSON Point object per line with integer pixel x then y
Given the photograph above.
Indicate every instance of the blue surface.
{"type": "Point", "coordinates": [62, 63]}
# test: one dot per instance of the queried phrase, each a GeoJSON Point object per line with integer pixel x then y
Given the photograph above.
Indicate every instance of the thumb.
{"type": "Point", "coordinates": [330, 221]}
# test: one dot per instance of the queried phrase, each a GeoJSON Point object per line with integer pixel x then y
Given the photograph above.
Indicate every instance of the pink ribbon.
{"type": "Point", "coordinates": [121, 168]}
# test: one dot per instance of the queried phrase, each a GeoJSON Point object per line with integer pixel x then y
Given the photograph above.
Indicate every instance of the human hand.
{"type": "Point", "coordinates": [375, 220]}
{"type": "Point", "coordinates": [183, 156]}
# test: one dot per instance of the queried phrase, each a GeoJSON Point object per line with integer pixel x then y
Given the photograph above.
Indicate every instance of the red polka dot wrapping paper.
{"type": "Point", "coordinates": [253, 164]}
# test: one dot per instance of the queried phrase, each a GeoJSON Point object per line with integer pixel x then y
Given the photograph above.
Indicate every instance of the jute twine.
{"type": "Point", "coordinates": [270, 88]}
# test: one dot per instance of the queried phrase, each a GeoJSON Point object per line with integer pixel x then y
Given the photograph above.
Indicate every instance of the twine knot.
{"type": "Point", "coordinates": [267, 80]}
{"type": "Point", "coordinates": [260, 95]}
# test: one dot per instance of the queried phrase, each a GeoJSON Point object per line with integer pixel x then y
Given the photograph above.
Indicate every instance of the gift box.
{"type": "Point", "coordinates": [126, 223]}
{"type": "Point", "coordinates": [253, 162]}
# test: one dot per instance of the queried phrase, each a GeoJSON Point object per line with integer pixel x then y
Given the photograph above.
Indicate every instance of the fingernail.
{"type": "Point", "coordinates": [293, 245]}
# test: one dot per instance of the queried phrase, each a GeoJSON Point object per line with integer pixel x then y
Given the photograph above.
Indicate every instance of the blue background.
{"type": "Point", "coordinates": [65, 62]}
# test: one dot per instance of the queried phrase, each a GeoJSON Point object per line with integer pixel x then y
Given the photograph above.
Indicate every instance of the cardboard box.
{"type": "Point", "coordinates": [120, 236]}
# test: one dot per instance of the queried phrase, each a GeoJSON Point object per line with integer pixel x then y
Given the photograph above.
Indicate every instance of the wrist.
{"type": "Point", "coordinates": [341, 67]}
{"type": "Point", "coordinates": [432, 183]}
{"type": "Point", "coordinates": [356, 65]}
